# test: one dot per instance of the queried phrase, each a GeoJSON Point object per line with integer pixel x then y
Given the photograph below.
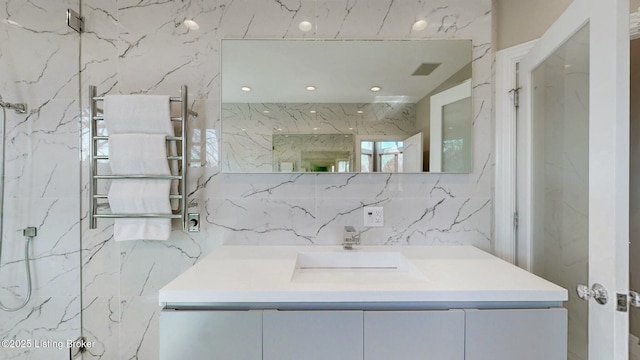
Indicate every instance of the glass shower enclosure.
{"type": "Point", "coordinates": [39, 66]}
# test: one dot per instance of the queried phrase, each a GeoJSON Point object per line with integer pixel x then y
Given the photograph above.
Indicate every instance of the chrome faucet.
{"type": "Point", "coordinates": [350, 238]}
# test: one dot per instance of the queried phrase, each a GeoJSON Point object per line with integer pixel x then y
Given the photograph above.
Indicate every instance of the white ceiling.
{"type": "Point", "coordinates": [278, 71]}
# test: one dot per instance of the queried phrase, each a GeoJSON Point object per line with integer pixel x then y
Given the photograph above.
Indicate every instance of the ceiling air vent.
{"type": "Point", "coordinates": [425, 69]}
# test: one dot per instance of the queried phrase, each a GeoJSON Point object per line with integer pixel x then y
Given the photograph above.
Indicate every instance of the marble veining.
{"type": "Point", "coordinates": [133, 46]}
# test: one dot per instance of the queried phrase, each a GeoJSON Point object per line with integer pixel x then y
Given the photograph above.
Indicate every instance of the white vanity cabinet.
{"type": "Point", "coordinates": [371, 303]}
{"type": "Point", "coordinates": [414, 335]}
{"type": "Point", "coordinates": [458, 334]}
{"type": "Point", "coordinates": [312, 335]}
{"type": "Point", "coordinates": [523, 334]}
{"type": "Point", "coordinates": [201, 334]}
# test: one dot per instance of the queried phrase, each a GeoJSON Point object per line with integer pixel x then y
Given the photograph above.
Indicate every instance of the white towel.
{"type": "Point", "coordinates": [140, 114]}
{"type": "Point", "coordinates": [139, 154]}
{"type": "Point", "coordinates": [140, 196]}
{"type": "Point", "coordinates": [143, 114]}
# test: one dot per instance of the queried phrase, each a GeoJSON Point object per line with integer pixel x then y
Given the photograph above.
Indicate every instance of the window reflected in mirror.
{"type": "Point", "coordinates": [312, 152]}
{"type": "Point", "coordinates": [381, 156]}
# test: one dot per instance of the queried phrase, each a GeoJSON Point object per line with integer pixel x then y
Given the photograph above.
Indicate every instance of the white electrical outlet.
{"type": "Point", "coordinates": [373, 216]}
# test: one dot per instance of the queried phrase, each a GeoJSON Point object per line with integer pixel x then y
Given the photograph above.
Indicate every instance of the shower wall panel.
{"type": "Point", "coordinates": [39, 63]}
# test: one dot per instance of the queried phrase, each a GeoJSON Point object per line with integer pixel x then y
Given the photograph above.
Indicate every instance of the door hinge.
{"type": "Point", "coordinates": [624, 301]}
{"type": "Point", "coordinates": [75, 21]}
{"type": "Point", "coordinates": [516, 220]}
{"type": "Point", "coordinates": [516, 96]}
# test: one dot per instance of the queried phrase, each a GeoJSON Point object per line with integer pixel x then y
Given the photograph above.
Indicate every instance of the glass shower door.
{"type": "Point", "coordinates": [560, 91]}
{"type": "Point", "coordinates": [573, 170]}
{"type": "Point", "coordinates": [39, 66]}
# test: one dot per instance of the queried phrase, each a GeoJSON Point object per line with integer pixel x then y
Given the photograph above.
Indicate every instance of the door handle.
{"type": "Point", "coordinates": [597, 292]}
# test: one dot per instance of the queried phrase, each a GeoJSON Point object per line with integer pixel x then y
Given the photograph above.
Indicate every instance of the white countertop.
{"type": "Point", "coordinates": [264, 275]}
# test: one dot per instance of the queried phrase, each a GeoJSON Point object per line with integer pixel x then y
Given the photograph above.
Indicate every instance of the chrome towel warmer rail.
{"type": "Point", "coordinates": [94, 116]}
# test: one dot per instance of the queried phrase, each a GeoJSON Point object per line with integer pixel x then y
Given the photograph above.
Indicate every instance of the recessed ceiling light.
{"type": "Point", "coordinates": [419, 25]}
{"type": "Point", "coordinates": [305, 26]}
{"type": "Point", "coordinates": [360, 112]}
{"type": "Point", "coordinates": [265, 111]}
{"type": "Point", "coordinates": [350, 128]}
{"type": "Point", "coordinates": [312, 111]}
{"type": "Point", "coordinates": [315, 128]}
{"type": "Point", "coordinates": [311, 88]}
{"type": "Point", "coordinates": [279, 129]}
{"type": "Point", "coordinates": [376, 88]}
{"type": "Point", "coordinates": [191, 25]}
{"type": "Point", "coordinates": [245, 88]}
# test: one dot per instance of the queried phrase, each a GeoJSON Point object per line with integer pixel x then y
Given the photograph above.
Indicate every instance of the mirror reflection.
{"type": "Point", "coordinates": [346, 106]}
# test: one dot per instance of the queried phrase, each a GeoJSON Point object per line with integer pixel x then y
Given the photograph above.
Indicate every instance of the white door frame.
{"type": "Point", "coordinates": [505, 197]}
{"type": "Point", "coordinates": [505, 245]}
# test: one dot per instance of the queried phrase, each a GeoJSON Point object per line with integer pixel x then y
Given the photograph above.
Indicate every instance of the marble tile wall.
{"type": "Point", "coordinates": [142, 46]}
{"type": "Point", "coordinates": [39, 62]}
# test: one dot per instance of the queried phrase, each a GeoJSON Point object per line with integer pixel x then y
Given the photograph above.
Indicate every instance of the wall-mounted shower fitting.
{"type": "Point", "coordinates": [20, 108]}
{"type": "Point", "coordinates": [28, 234]}
{"type": "Point", "coordinates": [31, 232]}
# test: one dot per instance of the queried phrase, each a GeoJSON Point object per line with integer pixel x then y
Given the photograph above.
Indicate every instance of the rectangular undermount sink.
{"type": "Point", "coordinates": [352, 260]}
{"type": "Point", "coordinates": [354, 266]}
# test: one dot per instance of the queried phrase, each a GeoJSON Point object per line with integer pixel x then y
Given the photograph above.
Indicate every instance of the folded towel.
{"type": "Point", "coordinates": [139, 154]}
{"type": "Point", "coordinates": [140, 196]}
{"type": "Point", "coordinates": [143, 114]}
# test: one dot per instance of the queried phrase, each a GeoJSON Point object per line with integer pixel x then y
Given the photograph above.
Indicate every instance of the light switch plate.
{"type": "Point", "coordinates": [373, 216]}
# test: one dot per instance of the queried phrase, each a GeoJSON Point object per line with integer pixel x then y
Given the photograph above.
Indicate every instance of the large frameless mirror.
{"type": "Point", "coordinates": [346, 106]}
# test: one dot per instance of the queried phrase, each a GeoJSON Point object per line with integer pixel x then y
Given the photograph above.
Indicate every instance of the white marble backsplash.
{"type": "Point", "coordinates": [141, 46]}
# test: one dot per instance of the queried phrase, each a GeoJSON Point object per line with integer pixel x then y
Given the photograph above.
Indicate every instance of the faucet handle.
{"type": "Point", "coordinates": [350, 238]}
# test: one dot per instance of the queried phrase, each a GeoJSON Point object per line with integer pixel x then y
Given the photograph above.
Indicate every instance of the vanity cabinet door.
{"type": "Point", "coordinates": [220, 335]}
{"type": "Point", "coordinates": [410, 335]}
{"type": "Point", "coordinates": [312, 335]}
{"type": "Point", "coordinates": [523, 334]}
